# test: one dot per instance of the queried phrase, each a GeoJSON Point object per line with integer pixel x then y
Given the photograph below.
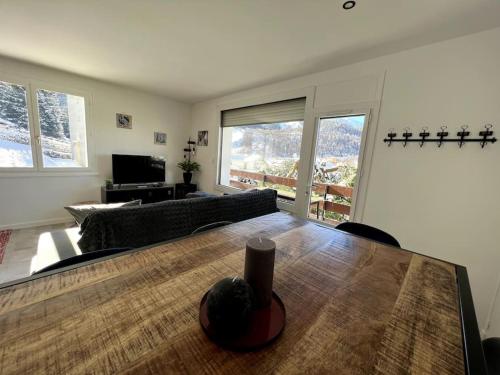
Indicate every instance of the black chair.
{"type": "Point", "coordinates": [368, 232]}
{"type": "Point", "coordinates": [491, 349]}
{"type": "Point", "coordinates": [81, 258]}
{"type": "Point", "coordinates": [211, 226]}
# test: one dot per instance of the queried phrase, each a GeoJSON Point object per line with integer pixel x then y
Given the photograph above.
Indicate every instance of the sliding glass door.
{"type": "Point", "coordinates": [336, 166]}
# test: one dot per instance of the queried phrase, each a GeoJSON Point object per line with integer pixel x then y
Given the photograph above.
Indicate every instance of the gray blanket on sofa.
{"type": "Point", "coordinates": [132, 227]}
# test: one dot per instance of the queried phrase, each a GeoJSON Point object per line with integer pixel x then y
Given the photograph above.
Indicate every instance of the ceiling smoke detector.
{"type": "Point", "coordinates": [349, 4]}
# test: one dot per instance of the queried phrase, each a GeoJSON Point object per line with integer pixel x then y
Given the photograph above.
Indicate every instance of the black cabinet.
{"type": "Point", "coordinates": [146, 194]}
{"type": "Point", "coordinates": [182, 189]}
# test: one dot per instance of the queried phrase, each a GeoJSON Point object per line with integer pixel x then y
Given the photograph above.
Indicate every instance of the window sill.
{"type": "Point", "coordinates": [65, 173]}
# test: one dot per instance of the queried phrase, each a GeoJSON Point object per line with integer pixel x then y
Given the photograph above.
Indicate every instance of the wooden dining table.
{"type": "Point", "coordinates": [353, 306]}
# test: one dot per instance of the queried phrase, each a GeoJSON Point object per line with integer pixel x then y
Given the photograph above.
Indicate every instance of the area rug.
{"type": "Point", "coordinates": [4, 240]}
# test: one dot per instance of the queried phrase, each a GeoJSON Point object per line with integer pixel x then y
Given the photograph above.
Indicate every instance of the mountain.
{"type": "Point", "coordinates": [338, 137]}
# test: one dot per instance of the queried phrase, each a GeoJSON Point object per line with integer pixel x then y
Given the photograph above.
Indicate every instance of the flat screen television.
{"type": "Point", "coordinates": [137, 169]}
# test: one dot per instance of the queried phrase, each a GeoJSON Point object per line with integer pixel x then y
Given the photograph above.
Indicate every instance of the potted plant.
{"type": "Point", "coordinates": [188, 167]}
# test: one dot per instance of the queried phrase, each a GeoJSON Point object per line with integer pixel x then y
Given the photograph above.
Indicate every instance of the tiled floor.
{"type": "Point", "coordinates": [20, 250]}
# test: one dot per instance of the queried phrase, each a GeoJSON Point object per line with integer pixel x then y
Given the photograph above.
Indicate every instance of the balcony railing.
{"type": "Point", "coordinates": [320, 202]}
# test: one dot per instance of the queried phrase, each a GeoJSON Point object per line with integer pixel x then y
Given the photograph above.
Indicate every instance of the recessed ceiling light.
{"type": "Point", "coordinates": [349, 4]}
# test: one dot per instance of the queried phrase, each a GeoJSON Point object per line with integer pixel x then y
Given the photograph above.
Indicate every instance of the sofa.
{"type": "Point", "coordinates": [115, 230]}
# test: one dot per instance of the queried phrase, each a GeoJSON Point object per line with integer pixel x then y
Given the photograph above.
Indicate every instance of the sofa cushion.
{"type": "Point", "coordinates": [254, 203]}
{"type": "Point", "coordinates": [200, 194]}
{"type": "Point", "coordinates": [135, 226]}
{"type": "Point", "coordinates": [157, 222]}
{"type": "Point", "coordinates": [204, 211]}
{"type": "Point", "coordinates": [81, 211]}
{"type": "Point", "coordinates": [233, 208]}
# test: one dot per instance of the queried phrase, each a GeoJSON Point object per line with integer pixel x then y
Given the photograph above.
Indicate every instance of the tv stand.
{"type": "Point", "coordinates": [148, 194]}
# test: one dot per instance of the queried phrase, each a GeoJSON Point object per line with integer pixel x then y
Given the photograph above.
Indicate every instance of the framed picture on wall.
{"type": "Point", "coordinates": [160, 138]}
{"type": "Point", "coordinates": [123, 121]}
{"type": "Point", "coordinates": [203, 138]}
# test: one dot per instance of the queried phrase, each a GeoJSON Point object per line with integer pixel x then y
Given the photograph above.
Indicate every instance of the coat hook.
{"type": "Point", "coordinates": [443, 133]}
{"type": "Point", "coordinates": [391, 135]}
{"type": "Point", "coordinates": [424, 134]}
{"type": "Point", "coordinates": [485, 134]}
{"type": "Point", "coordinates": [462, 135]}
{"type": "Point", "coordinates": [407, 135]}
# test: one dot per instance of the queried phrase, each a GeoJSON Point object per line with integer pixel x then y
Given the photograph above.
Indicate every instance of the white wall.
{"type": "Point", "coordinates": [441, 202]}
{"type": "Point", "coordinates": [40, 200]}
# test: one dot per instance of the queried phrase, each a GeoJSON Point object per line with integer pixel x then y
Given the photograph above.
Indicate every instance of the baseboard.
{"type": "Point", "coordinates": [37, 223]}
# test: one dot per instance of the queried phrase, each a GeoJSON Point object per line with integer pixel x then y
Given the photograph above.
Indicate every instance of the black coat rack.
{"type": "Point", "coordinates": [486, 136]}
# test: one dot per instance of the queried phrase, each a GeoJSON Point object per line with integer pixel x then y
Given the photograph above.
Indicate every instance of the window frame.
{"type": "Point", "coordinates": [371, 109]}
{"type": "Point", "coordinates": [38, 169]}
{"type": "Point", "coordinates": [356, 110]}
{"type": "Point", "coordinates": [308, 94]}
{"type": "Point", "coordinates": [31, 125]}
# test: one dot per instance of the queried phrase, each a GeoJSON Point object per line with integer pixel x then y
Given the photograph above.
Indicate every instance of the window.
{"type": "Point", "coordinates": [15, 139]}
{"type": "Point", "coordinates": [62, 129]}
{"type": "Point", "coordinates": [335, 169]}
{"type": "Point", "coordinates": [58, 138]}
{"type": "Point", "coordinates": [261, 146]}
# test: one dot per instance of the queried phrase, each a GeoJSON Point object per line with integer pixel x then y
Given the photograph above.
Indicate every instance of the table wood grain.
{"type": "Point", "coordinates": [354, 306]}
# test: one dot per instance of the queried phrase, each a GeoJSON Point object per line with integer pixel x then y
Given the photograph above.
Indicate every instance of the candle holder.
{"type": "Point", "coordinates": [245, 315]}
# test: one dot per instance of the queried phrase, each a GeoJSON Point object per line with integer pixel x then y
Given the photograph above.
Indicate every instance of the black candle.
{"type": "Point", "coordinates": [259, 269]}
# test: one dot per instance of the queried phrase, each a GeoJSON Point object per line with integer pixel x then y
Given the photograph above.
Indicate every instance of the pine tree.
{"type": "Point", "coordinates": [53, 113]}
{"type": "Point", "coordinates": [13, 104]}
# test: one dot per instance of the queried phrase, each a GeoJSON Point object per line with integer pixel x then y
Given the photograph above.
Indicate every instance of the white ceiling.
{"type": "Point", "coordinates": [196, 49]}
